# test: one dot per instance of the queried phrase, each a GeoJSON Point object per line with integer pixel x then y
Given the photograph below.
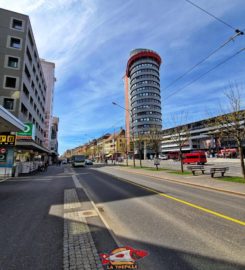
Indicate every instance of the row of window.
{"type": "Point", "coordinates": [147, 113]}
{"type": "Point", "coordinates": [29, 77]}
{"type": "Point", "coordinates": [145, 95]}
{"type": "Point", "coordinates": [9, 104]}
{"type": "Point", "coordinates": [14, 63]}
{"type": "Point", "coordinates": [149, 126]}
{"type": "Point", "coordinates": [145, 76]}
{"type": "Point", "coordinates": [19, 25]}
{"type": "Point", "coordinates": [24, 111]}
{"type": "Point", "coordinates": [143, 65]}
{"type": "Point", "coordinates": [145, 88]}
{"type": "Point", "coordinates": [147, 119]}
{"type": "Point", "coordinates": [145, 70]}
{"type": "Point", "coordinates": [17, 43]}
{"type": "Point", "coordinates": [34, 105]}
{"type": "Point", "coordinates": [146, 100]}
{"type": "Point", "coordinates": [13, 83]}
{"type": "Point", "coordinates": [145, 82]}
{"type": "Point", "coordinates": [152, 107]}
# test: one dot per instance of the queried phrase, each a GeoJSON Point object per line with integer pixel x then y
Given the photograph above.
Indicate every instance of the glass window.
{"type": "Point", "coordinates": [13, 62]}
{"type": "Point", "coordinates": [15, 43]}
{"type": "Point", "coordinates": [17, 24]}
{"type": "Point", "coordinates": [8, 103]}
{"type": "Point", "coordinates": [10, 82]}
{"type": "Point", "coordinates": [24, 109]}
{"type": "Point", "coordinates": [25, 90]}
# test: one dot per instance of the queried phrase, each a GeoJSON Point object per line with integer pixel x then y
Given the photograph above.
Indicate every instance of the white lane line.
{"type": "Point", "coordinates": [78, 185]}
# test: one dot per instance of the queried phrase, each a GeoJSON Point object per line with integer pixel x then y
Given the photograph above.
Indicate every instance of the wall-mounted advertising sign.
{"type": "Point", "coordinates": [28, 133]}
{"type": "Point", "coordinates": [7, 139]}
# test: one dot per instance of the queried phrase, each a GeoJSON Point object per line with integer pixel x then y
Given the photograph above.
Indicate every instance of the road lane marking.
{"type": "Point", "coordinates": [240, 222]}
{"type": "Point", "coordinates": [78, 185]}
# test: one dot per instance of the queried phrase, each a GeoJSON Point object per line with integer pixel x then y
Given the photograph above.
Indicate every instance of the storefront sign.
{"type": "Point", "coordinates": [7, 139]}
{"type": "Point", "coordinates": [28, 133]}
{"type": "Point", "coordinates": [3, 157]}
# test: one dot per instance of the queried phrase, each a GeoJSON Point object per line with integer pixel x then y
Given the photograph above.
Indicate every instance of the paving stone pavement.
{"type": "Point", "coordinates": [79, 251]}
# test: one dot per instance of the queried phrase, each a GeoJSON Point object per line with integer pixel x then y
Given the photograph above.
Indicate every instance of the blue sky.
{"type": "Point", "coordinates": [90, 40]}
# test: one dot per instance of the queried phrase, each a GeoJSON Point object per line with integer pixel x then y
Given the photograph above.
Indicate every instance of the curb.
{"type": "Point", "coordinates": [190, 184]}
{"type": "Point", "coordinates": [4, 179]}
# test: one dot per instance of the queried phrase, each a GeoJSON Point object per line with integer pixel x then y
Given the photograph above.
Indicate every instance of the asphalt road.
{"type": "Point", "coordinates": [181, 227]}
{"type": "Point", "coordinates": [31, 220]}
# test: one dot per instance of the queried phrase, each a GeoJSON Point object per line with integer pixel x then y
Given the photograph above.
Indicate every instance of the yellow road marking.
{"type": "Point", "coordinates": [189, 204]}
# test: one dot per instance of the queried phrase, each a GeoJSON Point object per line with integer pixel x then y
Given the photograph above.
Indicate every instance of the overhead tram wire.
{"type": "Point", "coordinates": [237, 33]}
{"type": "Point", "coordinates": [224, 61]}
{"type": "Point", "coordinates": [211, 15]}
{"type": "Point", "coordinates": [204, 59]}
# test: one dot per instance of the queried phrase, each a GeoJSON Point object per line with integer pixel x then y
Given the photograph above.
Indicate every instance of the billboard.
{"type": "Point", "coordinates": [28, 133]}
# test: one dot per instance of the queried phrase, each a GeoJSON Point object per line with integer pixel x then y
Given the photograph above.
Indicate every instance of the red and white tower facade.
{"type": "Point", "coordinates": [142, 92]}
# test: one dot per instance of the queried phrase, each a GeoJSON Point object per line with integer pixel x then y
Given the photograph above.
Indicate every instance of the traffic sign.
{"type": "Point", "coordinates": [3, 150]}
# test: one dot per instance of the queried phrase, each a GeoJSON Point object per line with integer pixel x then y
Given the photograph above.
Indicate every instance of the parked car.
{"type": "Point", "coordinates": [88, 162]}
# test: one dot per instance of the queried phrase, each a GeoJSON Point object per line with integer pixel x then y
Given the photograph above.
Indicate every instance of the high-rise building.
{"type": "Point", "coordinates": [48, 71]}
{"type": "Point", "coordinates": [142, 92]}
{"type": "Point", "coordinates": [22, 83]}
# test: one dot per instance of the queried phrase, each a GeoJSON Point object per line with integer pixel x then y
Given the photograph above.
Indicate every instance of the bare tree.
{"type": "Point", "coordinates": [179, 134]}
{"type": "Point", "coordinates": [231, 125]}
{"type": "Point", "coordinates": [154, 138]}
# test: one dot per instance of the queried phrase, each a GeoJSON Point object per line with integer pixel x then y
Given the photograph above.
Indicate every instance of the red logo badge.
{"type": "Point", "coordinates": [123, 258]}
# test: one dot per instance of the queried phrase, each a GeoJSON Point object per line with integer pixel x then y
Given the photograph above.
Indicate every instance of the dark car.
{"type": "Point", "coordinates": [88, 162]}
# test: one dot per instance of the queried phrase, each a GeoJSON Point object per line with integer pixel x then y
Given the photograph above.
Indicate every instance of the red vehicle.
{"type": "Point", "coordinates": [195, 157]}
{"type": "Point", "coordinates": [173, 155]}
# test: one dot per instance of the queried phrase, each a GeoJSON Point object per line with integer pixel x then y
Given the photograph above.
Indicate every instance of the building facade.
{"type": "Point", "coordinates": [142, 94]}
{"type": "Point", "coordinates": [22, 84]}
{"type": "Point", "coordinates": [26, 91]}
{"type": "Point", "coordinates": [142, 91]}
{"type": "Point", "coordinates": [200, 135]}
{"type": "Point", "coordinates": [54, 138]}
{"type": "Point", "coordinates": [49, 75]}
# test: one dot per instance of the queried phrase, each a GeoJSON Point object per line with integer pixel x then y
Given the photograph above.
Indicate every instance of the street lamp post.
{"type": "Point", "coordinates": [114, 103]}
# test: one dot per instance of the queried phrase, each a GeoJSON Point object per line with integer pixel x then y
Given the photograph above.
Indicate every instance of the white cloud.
{"type": "Point", "coordinates": [90, 40]}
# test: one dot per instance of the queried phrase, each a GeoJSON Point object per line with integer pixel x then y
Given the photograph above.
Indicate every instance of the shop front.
{"type": "Point", "coordinates": [29, 156]}
{"type": "Point", "coordinates": [8, 125]}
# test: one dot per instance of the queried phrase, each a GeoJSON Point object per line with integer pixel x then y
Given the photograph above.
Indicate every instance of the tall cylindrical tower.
{"type": "Point", "coordinates": [142, 92]}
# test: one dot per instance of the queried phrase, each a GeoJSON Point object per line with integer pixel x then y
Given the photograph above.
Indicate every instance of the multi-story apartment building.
{"type": "Point", "coordinates": [142, 93]}
{"type": "Point", "coordinates": [200, 135]}
{"type": "Point", "coordinates": [48, 71]}
{"type": "Point", "coordinates": [54, 137]}
{"type": "Point", "coordinates": [22, 83]}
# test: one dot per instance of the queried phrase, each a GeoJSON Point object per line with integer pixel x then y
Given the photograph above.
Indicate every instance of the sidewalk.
{"type": "Point", "coordinates": [198, 180]}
